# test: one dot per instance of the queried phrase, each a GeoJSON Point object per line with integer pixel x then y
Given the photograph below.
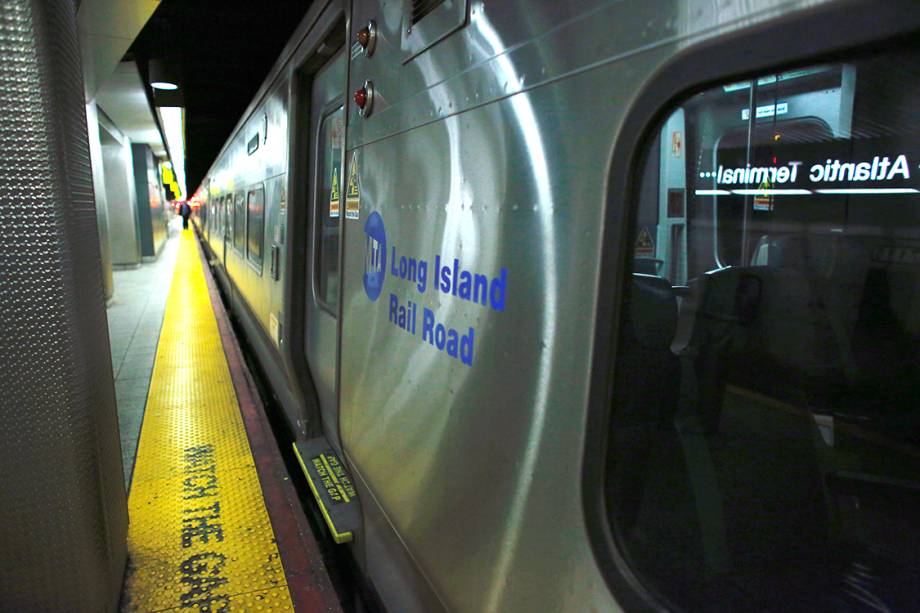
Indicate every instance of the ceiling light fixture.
{"type": "Point", "coordinates": [163, 75]}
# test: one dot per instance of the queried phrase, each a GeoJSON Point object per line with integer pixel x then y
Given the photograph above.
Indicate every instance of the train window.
{"type": "Point", "coordinates": [765, 438]}
{"type": "Point", "coordinates": [255, 222]}
{"type": "Point", "coordinates": [329, 204]}
{"type": "Point", "coordinates": [239, 222]}
{"type": "Point", "coordinates": [227, 202]}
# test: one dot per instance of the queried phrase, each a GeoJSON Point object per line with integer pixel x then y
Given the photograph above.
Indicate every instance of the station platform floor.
{"type": "Point", "coordinates": [135, 316]}
{"type": "Point", "coordinates": [215, 523]}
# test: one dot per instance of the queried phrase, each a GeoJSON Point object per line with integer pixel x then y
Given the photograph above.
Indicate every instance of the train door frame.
{"type": "Point", "coordinates": [322, 321]}
{"type": "Point", "coordinates": [328, 34]}
{"type": "Point", "coordinates": [819, 34]}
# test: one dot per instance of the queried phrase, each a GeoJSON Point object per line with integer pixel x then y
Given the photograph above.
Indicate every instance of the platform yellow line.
{"type": "Point", "coordinates": [200, 537]}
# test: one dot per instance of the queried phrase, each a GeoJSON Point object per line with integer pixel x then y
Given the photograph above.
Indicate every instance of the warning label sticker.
{"type": "Point", "coordinates": [333, 478]}
{"type": "Point", "coordinates": [764, 201]}
{"type": "Point", "coordinates": [645, 246]}
{"type": "Point", "coordinates": [334, 195]}
{"type": "Point", "coordinates": [353, 193]}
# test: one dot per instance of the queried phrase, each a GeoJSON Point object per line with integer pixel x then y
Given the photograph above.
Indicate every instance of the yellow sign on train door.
{"type": "Point", "coordinates": [352, 194]}
{"type": "Point", "coordinates": [335, 196]}
{"type": "Point", "coordinates": [764, 200]}
{"type": "Point", "coordinates": [645, 246]}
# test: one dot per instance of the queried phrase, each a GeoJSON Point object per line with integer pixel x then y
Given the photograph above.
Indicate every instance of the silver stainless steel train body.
{"type": "Point", "coordinates": [420, 278]}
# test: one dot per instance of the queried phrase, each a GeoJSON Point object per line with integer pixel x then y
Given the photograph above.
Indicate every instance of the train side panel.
{"type": "Point", "coordinates": [248, 238]}
{"type": "Point", "coordinates": [471, 266]}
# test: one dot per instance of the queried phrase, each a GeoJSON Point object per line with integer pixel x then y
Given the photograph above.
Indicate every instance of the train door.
{"type": "Point", "coordinates": [225, 231]}
{"type": "Point", "coordinates": [327, 139]}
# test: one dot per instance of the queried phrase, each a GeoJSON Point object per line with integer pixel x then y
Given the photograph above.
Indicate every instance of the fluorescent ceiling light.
{"type": "Point", "coordinates": [771, 192]}
{"type": "Point", "coordinates": [164, 74]}
{"type": "Point", "coordinates": [870, 190]}
{"type": "Point", "coordinates": [772, 78]}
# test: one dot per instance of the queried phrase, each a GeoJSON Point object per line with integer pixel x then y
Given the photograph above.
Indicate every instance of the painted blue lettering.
{"type": "Point", "coordinates": [466, 348]}
{"type": "Point", "coordinates": [453, 278]}
{"type": "Point", "coordinates": [452, 342]}
{"type": "Point", "coordinates": [439, 334]}
{"type": "Point", "coordinates": [422, 276]}
{"type": "Point", "coordinates": [394, 306]}
{"type": "Point", "coordinates": [498, 290]}
{"type": "Point", "coordinates": [466, 280]}
{"type": "Point", "coordinates": [480, 286]}
{"type": "Point", "coordinates": [447, 339]}
{"type": "Point", "coordinates": [428, 326]}
{"type": "Point", "coordinates": [444, 273]}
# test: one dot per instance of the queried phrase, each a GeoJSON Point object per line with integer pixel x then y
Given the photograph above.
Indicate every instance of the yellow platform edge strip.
{"type": "Point", "coordinates": [340, 538]}
{"type": "Point", "coordinates": [199, 535]}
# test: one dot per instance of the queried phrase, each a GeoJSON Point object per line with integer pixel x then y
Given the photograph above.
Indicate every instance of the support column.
{"type": "Point", "coordinates": [63, 511]}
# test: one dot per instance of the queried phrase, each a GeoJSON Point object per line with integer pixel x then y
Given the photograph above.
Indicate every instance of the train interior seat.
{"type": "Point", "coordinates": [866, 305]}
{"type": "Point", "coordinates": [712, 493]}
{"type": "Point", "coordinates": [653, 508]}
{"type": "Point", "coordinates": [764, 350]}
{"type": "Point", "coordinates": [755, 470]}
{"type": "Point", "coordinates": [647, 402]}
{"type": "Point", "coordinates": [723, 475]}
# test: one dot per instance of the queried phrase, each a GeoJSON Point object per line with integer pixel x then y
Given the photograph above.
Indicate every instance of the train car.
{"type": "Point", "coordinates": [594, 305]}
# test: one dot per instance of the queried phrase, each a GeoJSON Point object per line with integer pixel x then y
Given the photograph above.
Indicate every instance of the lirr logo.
{"type": "Point", "coordinates": [375, 255]}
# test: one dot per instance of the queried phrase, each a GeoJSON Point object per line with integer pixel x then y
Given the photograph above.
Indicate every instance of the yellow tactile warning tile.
{"type": "Point", "coordinates": [200, 537]}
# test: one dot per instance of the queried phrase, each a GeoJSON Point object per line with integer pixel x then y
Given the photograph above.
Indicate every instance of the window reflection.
{"type": "Point", "coordinates": [766, 419]}
{"type": "Point", "coordinates": [255, 211]}
{"type": "Point", "coordinates": [239, 222]}
{"type": "Point", "coordinates": [329, 203]}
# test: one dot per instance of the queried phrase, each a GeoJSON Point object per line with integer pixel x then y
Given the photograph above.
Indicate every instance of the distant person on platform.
{"type": "Point", "coordinates": [185, 210]}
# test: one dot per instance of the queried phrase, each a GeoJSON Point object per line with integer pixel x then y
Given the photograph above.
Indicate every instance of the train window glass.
{"type": "Point", "coordinates": [228, 216]}
{"type": "Point", "coordinates": [329, 204]}
{"type": "Point", "coordinates": [765, 435]}
{"type": "Point", "coordinates": [239, 222]}
{"type": "Point", "coordinates": [255, 220]}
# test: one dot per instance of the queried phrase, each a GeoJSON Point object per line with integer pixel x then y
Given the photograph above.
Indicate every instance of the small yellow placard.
{"type": "Point", "coordinates": [335, 196]}
{"type": "Point", "coordinates": [353, 194]}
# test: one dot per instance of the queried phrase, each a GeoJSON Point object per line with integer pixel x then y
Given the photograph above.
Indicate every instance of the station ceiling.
{"type": "Point", "coordinates": [224, 51]}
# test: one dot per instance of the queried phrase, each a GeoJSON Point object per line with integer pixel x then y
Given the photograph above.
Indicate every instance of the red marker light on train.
{"type": "Point", "coordinates": [364, 99]}
{"type": "Point", "coordinates": [361, 98]}
{"type": "Point", "coordinates": [367, 37]}
{"type": "Point", "coordinates": [364, 36]}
